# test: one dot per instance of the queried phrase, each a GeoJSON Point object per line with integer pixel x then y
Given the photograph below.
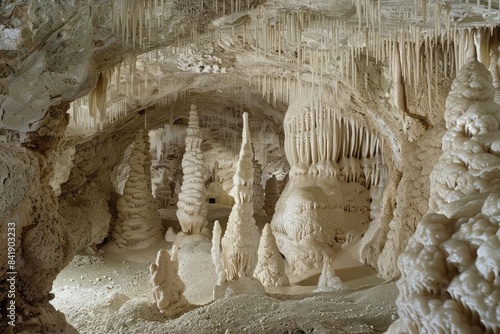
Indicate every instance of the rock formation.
{"type": "Point", "coordinates": [216, 254]}
{"type": "Point", "coordinates": [449, 271]}
{"type": "Point", "coordinates": [412, 200]}
{"type": "Point", "coordinates": [192, 208]}
{"type": "Point", "coordinates": [336, 177]}
{"type": "Point", "coordinates": [363, 81]}
{"type": "Point", "coordinates": [36, 241]}
{"type": "Point", "coordinates": [258, 190]}
{"type": "Point", "coordinates": [270, 270]}
{"type": "Point", "coordinates": [241, 240]}
{"type": "Point", "coordinates": [163, 192]}
{"type": "Point", "coordinates": [168, 287]}
{"type": "Point", "coordinates": [138, 224]}
{"type": "Point", "coordinates": [328, 281]}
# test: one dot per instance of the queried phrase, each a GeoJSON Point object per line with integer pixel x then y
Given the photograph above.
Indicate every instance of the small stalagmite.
{"type": "Point", "coordinates": [168, 288]}
{"type": "Point", "coordinates": [270, 270]}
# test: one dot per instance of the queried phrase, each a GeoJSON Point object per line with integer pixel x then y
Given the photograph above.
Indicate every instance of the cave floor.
{"type": "Point", "coordinates": [111, 293]}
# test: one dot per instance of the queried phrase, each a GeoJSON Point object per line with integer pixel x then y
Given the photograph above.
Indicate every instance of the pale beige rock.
{"type": "Point", "coordinates": [270, 269]}
{"type": "Point", "coordinates": [192, 207]}
{"type": "Point", "coordinates": [138, 224]}
{"type": "Point", "coordinates": [168, 288]}
{"type": "Point", "coordinates": [241, 239]}
{"type": "Point", "coordinates": [455, 247]}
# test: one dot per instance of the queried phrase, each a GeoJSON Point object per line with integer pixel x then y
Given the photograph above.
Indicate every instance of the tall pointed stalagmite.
{"type": "Point", "coordinates": [216, 253]}
{"type": "Point", "coordinates": [138, 223]}
{"type": "Point", "coordinates": [192, 208]}
{"type": "Point", "coordinates": [241, 240]}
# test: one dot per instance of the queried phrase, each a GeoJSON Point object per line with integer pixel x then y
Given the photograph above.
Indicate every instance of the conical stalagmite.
{"type": "Point", "coordinates": [139, 223]}
{"type": "Point", "coordinates": [270, 270]}
{"type": "Point", "coordinates": [192, 208]}
{"type": "Point", "coordinates": [241, 240]}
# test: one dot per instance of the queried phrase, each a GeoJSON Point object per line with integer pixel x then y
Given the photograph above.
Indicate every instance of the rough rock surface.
{"type": "Point", "coordinates": [42, 243]}
{"type": "Point", "coordinates": [449, 271]}
{"type": "Point", "coordinates": [412, 199]}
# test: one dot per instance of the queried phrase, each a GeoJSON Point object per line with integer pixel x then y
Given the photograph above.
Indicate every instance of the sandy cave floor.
{"type": "Point", "coordinates": [111, 293]}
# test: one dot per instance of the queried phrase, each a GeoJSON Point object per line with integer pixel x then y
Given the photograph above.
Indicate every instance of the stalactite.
{"type": "Point", "coordinates": [398, 85]}
{"type": "Point", "coordinates": [482, 45]}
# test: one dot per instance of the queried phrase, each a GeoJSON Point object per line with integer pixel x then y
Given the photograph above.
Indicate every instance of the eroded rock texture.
{"type": "Point", "coordinates": [411, 200]}
{"type": "Point", "coordinates": [449, 271]}
{"type": "Point", "coordinates": [43, 244]}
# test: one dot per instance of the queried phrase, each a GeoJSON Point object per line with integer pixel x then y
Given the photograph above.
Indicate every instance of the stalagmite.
{"type": "Point", "coordinates": [328, 281]}
{"type": "Point", "coordinates": [270, 270]}
{"type": "Point", "coordinates": [138, 224]}
{"type": "Point", "coordinates": [192, 208]}
{"type": "Point", "coordinates": [168, 288]}
{"type": "Point", "coordinates": [241, 240]}
{"type": "Point", "coordinates": [216, 254]}
{"type": "Point", "coordinates": [163, 193]}
{"type": "Point", "coordinates": [455, 246]}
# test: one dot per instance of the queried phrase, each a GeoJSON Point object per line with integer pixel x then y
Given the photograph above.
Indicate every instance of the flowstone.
{"type": "Point", "coordinates": [336, 175]}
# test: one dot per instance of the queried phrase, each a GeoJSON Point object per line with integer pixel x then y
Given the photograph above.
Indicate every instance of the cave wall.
{"type": "Point", "coordinates": [43, 243]}
{"type": "Point", "coordinates": [53, 52]}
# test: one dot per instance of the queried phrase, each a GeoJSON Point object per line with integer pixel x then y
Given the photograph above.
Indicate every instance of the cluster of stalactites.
{"type": "Point", "coordinates": [414, 57]}
{"type": "Point", "coordinates": [133, 19]}
{"type": "Point", "coordinates": [166, 140]}
{"type": "Point", "coordinates": [136, 20]}
{"type": "Point", "coordinates": [417, 53]}
{"type": "Point", "coordinates": [318, 139]}
{"type": "Point", "coordinates": [411, 56]}
{"type": "Point", "coordinates": [91, 111]}
{"type": "Point", "coordinates": [108, 101]}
